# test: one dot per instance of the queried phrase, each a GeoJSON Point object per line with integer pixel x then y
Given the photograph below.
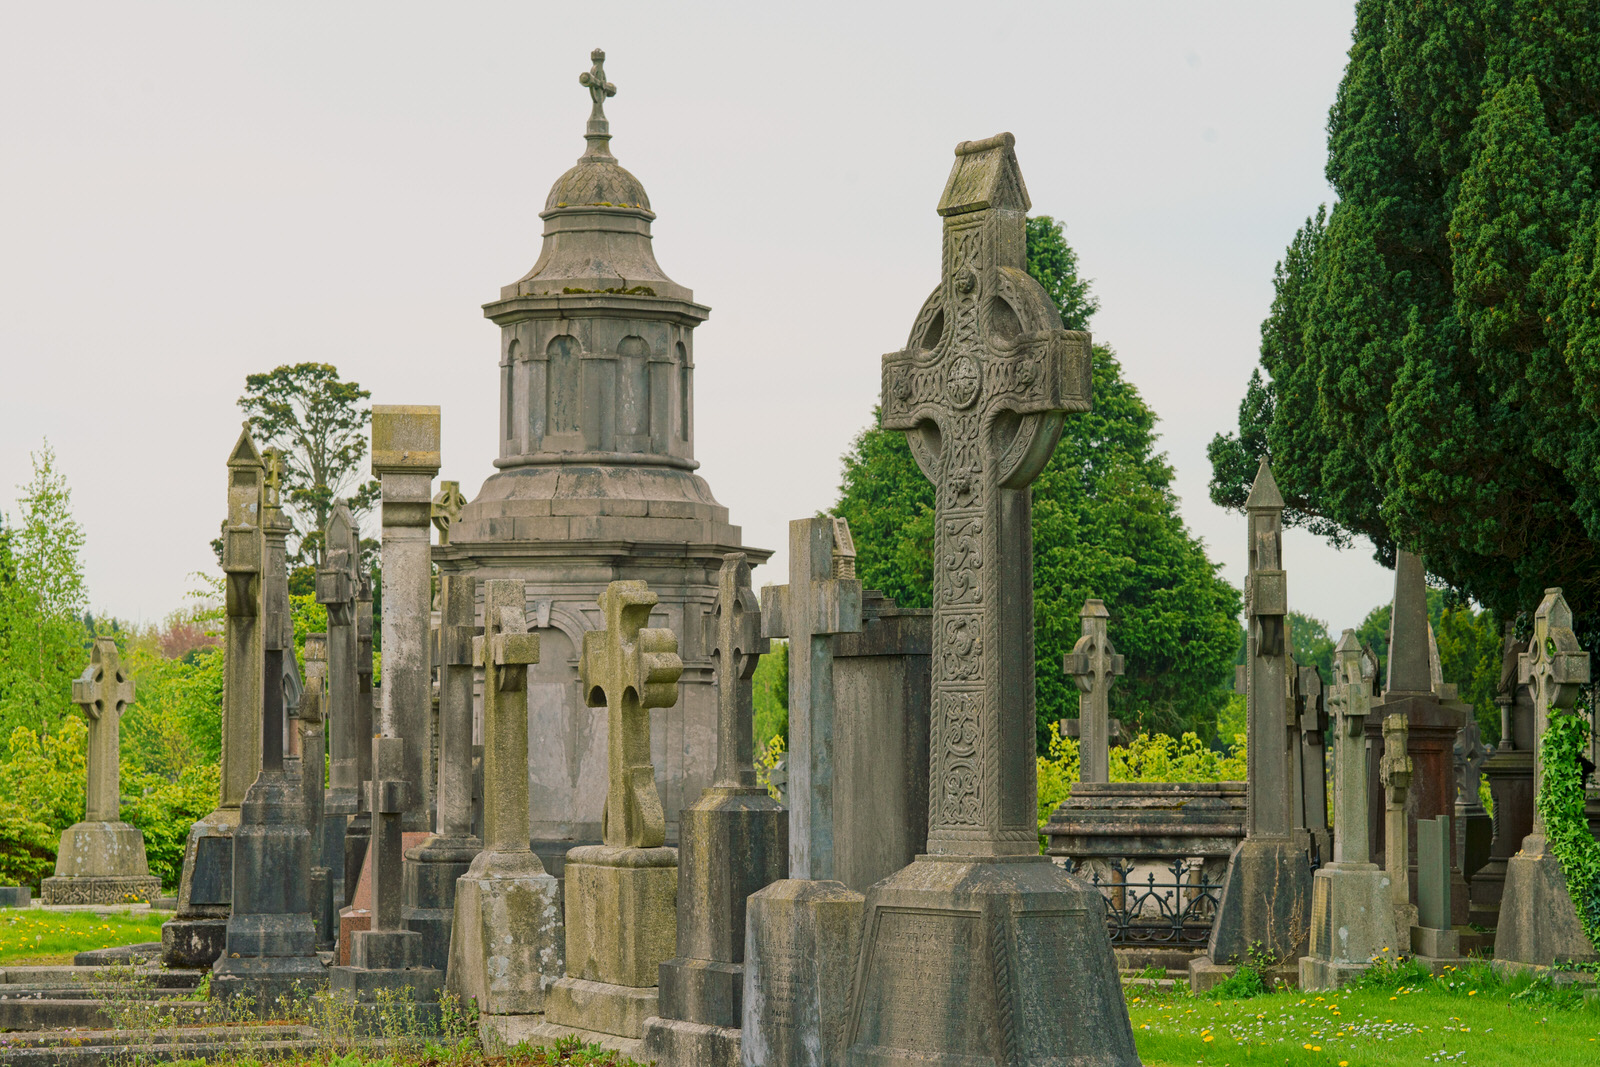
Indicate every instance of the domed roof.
{"type": "Point", "coordinates": [597, 181]}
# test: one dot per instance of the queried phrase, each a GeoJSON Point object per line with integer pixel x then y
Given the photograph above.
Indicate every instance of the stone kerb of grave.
{"type": "Point", "coordinates": [733, 842]}
{"type": "Point", "coordinates": [506, 940]}
{"type": "Point", "coordinates": [1539, 926]}
{"type": "Point", "coordinates": [982, 950]}
{"type": "Point", "coordinates": [621, 897]}
{"type": "Point", "coordinates": [1352, 914]}
{"type": "Point", "coordinates": [101, 860]}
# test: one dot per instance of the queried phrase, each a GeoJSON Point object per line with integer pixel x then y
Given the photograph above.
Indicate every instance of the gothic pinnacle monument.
{"type": "Point", "coordinates": [596, 482]}
{"type": "Point", "coordinates": [982, 950]}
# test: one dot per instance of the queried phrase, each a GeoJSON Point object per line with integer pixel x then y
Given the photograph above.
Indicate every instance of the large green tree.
{"type": "Point", "coordinates": [1430, 367]}
{"type": "Point", "coordinates": [1105, 524]}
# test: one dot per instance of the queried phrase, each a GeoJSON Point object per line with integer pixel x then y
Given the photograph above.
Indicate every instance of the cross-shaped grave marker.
{"type": "Point", "coordinates": [737, 645]}
{"type": "Point", "coordinates": [628, 668]}
{"type": "Point", "coordinates": [504, 652]}
{"type": "Point", "coordinates": [448, 503]}
{"type": "Point", "coordinates": [1354, 693]}
{"type": "Point", "coordinates": [1554, 669]}
{"type": "Point", "coordinates": [103, 691]}
{"type": "Point", "coordinates": [1096, 665]}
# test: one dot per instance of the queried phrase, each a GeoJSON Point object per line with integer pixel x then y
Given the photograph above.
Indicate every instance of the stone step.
{"type": "Point", "coordinates": [106, 1048]}
{"type": "Point", "coordinates": [1155, 985]}
{"type": "Point", "coordinates": [74, 977]}
{"type": "Point", "coordinates": [61, 1013]}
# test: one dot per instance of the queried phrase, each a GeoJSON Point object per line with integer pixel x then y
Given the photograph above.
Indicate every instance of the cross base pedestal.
{"type": "Point", "coordinates": [802, 940]}
{"type": "Point", "coordinates": [430, 872]}
{"type": "Point", "coordinates": [1266, 901]}
{"type": "Point", "coordinates": [1352, 923]}
{"type": "Point", "coordinates": [1539, 927]}
{"type": "Point", "coordinates": [1003, 961]}
{"type": "Point", "coordinates": [507, 938]}
{"type": "Point", "coordinates": [680, 1043]}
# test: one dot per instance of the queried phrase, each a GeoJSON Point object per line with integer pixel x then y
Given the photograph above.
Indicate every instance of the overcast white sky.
{"type": "Point", "coordinates": [193, 192]}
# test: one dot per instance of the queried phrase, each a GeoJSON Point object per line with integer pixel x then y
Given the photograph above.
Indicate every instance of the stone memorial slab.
{"type": "Point", "coordinates": [1434, 942]}
{"type": "Point", "coordinates": [982, 950]}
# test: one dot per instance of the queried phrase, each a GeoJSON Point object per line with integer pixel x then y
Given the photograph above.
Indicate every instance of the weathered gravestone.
{"type": "Point", "coordinates": [336, 592]}
{"type": "Point", "coordinates": [313, 751]}
{"type": "Point", "coordinates": [386, 960]}
{"type": "Point", "coordinates": [270, 952]}
{"type": "Point", "coordinates": [1539, 925]}
{"type": "Point", "coordinates": [101, 860]}
{"type": "Point", "coordinates": [621, 896]}
{"type": "Point", "coordinates": [1352, 916]}
{"type": "Point", "coordinates": [1473, 825]}
{"type": "Point", "coordinates": [982, 950]}
{"type": "Point", "coordinates": [1095, 665]}
{"type": "Point", "coordinates": [506, 941]}
{"type": "Point", "coordinates": [1431, 724]}
{"type": "Point", "coordinates": [433, 867]}
{"type": "Point", "coordinates": [1266, 897]}
{"type": "Point", "coordinates": [194, 937]}
{"type": "Point", "coordinates": [1510, 775]}
{"type": "Point", "coordinates": [733, 841]}
{"type": "Point", "coordinates": [1434, 941]}
{"type": "Point", "coordinates": [802, 933]}
{"type": "Point", "coordinates": [1395, 775]}
{"type": "Point", "coordinates": [1310, 724]}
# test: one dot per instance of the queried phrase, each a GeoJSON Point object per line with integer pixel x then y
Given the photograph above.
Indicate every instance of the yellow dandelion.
{"type": "Point", "coordinates": [1471, 993]}
{"type": "Point", "coordinates": [1206, 1038]}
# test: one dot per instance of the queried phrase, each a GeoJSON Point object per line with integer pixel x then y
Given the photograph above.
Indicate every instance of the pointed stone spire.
{"type": "Point", "coordinates": [1264, 491]}
{"type": "Point", "coordinates": [1408, 645]}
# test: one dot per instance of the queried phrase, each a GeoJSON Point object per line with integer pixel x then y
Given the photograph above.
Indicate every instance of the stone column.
{"type": "Point", "coordinates": [359, 831]}
{"type": "Point", "coordinates": [433, 866]}
{"type": "Point", "coordinates": [313, 752]}
{"type": "Point", "coordinates": [194, 937]}
{"type": "Point", "coordinates": [1095, 664]}
{"type": "Point", "coordinates": [1539, 925]}
{"type": "Point", "coordinates": [405, 457]}
{"type": "Point", "coordinates": [1266, 895]}
{"type": "Point", "coordinates": [386, 960]}
{"type": "Point", "coordinates": [1352, 916]}
{"type": "Point", "coordinates": [506, 940]}
{"type": "Point", "coordinates": [1395, 774]}
{"type": "Point", "coordinates": [336, 591]}
{"type": "Point", "coordinates": [982, 950]}
{"type": "Point", "coordinates": [270, 951]}
{"type": "Point", "coordinates": [803, 933]}
{"type": "Point", "coordinates": [733, 842]}
{"type": "Point", "coordinates": [621, 896]}
{"type": "Point", "coordinates": [101, 860]}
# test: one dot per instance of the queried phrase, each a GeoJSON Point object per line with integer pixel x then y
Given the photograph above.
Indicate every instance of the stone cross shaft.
{"type": "Point", "coordinates": [736, 645]}
{"type": "Point", "coordinates": [103, 691]}
{"type": "Point", "coordinates": [818, 602]}
{"type": "Point", "coordinates": [1555, 668]}
{"type": "Point", "coordinates": [282, 677]}
{"type": "Point", "coordinates": [1270, 804]}
{"type": "Point", "coordinates": [1394, 770]}
{"type": "Point", "coordinates": [1354, 692]}
{"type": "Point", "coordinates": [1096, 665]}
{"type": "Point", "coordinates": [391, 798]}
{"type": "Point", "coordinates": [628, 669]}
{"type": "Point", "coordinates": [243, 552]}
{"type": "Point", "coordinates": [363, 710]}
{"type": "Point", "coordinates": [336, 591]}
{"type": "Point", "coordinates": [457, 656]}
{"type": "Point", "coordinates": [504, 651]}
{"type": "Point", "coordinates": [981, 388]}
{"type": "Point", "coordinates": [313, 738]}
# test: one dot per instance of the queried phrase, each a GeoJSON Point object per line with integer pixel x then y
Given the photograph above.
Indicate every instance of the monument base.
{"type": "Point", "coordinates": [105, 889]}
{"type": "Point", "coordinates": [508, 934]}
{"type": "Point", "coordinates": [387, 962]}
{"type": "Point", "coordinates": [1352, 924]}
{"type": "Point", "coordinates": [1265, 904]}
{"type": "Point", "coordinates": [320, 890]}
{"type": "Point", "coordinates": [195, 936]}
{"type": "Point", "coordinates": [1539, 927]}
{"type": "Point", "coordinates": [575, 1005]}
{"type": "Point", "coordinates": [101, 863]}
{"type": "Point", "coordinates": [621, 914]}
{"type": "Point", "coordinates": [271, 983]}
{"type": "Point", "coordinates": [1429, 945]}
{"type": "Point", "coordinates": [970, 960]}
{"type": "Point", "coordinates": [801, 946]}
{"type": "Point", "coordinates": [679, 1043]}
{"type": "Point", "coordinates": [430, 872]}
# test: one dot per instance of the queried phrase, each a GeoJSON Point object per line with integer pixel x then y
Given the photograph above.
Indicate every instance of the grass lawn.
{"type": "Point", "coordinates": [33, 936]}
{"type": "Point", "coordinates": [1466, 1017]}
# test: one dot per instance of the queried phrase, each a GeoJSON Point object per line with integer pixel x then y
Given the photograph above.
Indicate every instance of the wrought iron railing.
{"type": "Point", "coordinates": [1176, 910]}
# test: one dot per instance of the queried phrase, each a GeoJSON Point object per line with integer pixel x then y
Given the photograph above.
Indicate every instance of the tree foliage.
{"type": "Point", "coordinates": [319, 425]}
{"type": "Point", "coordinates": [1430, 366]}
{"type": "Point", "coordinates": [1105, 524]}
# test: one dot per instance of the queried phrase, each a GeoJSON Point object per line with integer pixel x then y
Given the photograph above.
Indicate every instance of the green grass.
{"type": "Point", "coordinates": [1466, 1017]}
{"type": "Point", "coordinates": [34, 936]}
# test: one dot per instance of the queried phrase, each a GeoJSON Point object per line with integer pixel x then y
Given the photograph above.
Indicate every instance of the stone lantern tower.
{"type": "Point", "coordinates": [597, 482]}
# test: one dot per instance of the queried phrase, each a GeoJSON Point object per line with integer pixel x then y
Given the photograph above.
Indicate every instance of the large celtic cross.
{"type": "Point", "coordinates": [736, 647]}
{"type": "Point", "coordinates": [980, 389]}
{"type": "Point", "coordinates": [103, 691]}
{"type": "Point", "coordinates": [629, 669]}
{"type": "Point", "coordinates": [1554, 669]}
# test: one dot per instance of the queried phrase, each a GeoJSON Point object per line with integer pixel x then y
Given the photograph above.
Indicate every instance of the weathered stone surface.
{"type": "Point", "coordinates": [621, 913]}
{"type": "Point", "coordinates": [336, 592]}
{"type": "Point", "coordinates": [506, 941]}
{"type": "Point", "coordinates": [1139, 820]}
{"type": "Point", "coordinates": [802, 944]}
{"type": "Point", "coordinates": [1095, 665]}
{"type": "Point", "coordinates": [15, 896]}
{"type": "Point", "coordinates": [597, 481]}
{"type": "Point", "coordinates": [981, 390]}
{"type": "Point", "coordinates": [734, 841]}
{"type": "Point", "coordinates": [1311, 723]}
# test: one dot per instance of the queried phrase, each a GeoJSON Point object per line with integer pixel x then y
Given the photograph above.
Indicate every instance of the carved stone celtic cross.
{"type": "Point", "coordinates": [736, 647]}
{"type": "Point", "coordinates": [629, 669]}
{"type": "Point", "coordinates": [1095, 665]}
{"type": "Point", "coordinates": [504, 652]}
{"type": "Point", "coordinates": [446, 509]}
{"type": "Point", "coordinates": [1353, 704]}
{"type": "Point", "coordinates": [1554, 669]}
{"type": "Point", "coordinates": [980, 389]}
{"type": "Point", "coordinates": [103, 691]}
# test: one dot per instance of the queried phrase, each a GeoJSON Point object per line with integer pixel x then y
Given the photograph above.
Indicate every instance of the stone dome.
{"type": "Point", "coordinates": [598, 181]}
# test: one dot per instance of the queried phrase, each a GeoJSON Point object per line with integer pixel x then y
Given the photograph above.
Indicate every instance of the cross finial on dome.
{"type": "Point", "coordinates": [599, 130]}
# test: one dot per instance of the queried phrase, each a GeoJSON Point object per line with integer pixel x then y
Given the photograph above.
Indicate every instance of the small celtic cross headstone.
{"type": "Point", "coordinates": [628, 668]}
{"type": "Point", "coordinates": [1554, 669]}
{"type": "Point", "coordinates": [981, 389]}
{"type": "Point", "coordinates": [103, 691]}
{"type": "Point", "coordinates": [736, 647]}
{"type": "Point", "coordinates": [1354, 701]}
{"type": "Point", "coordinates": [1096, 665]}
{"type": "Point", "coordinates": [1470, 756]}
{"type": "Point", "coordinates": [446, 510]}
